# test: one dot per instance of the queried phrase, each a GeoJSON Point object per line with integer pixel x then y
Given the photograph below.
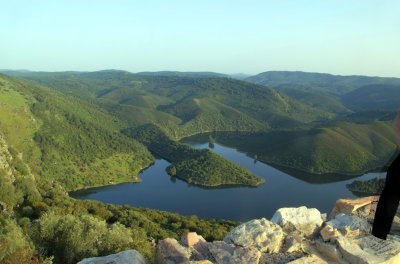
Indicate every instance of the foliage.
{"type": "Point", "coordinates": [15, 247]}
{"type": "Point", "coordinates": [328, 148]}
{"type": "Point", "coordinates": [70, 238]}
{"type": "Point", "coordinates": [367, 187]}
{"type": "Point", "coordinates": [374, 97]}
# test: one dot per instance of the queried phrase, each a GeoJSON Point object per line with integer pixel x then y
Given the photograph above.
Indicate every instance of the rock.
{"type": "Point", "coordinates": [329, 233]}
{"type": "Point", "coordinates": [279, 258]}
{"type": "Point", "coordinates": [224, 253]}
{"type": "Point", "coordinates": [348, 225]}
{"type": "Point", "coordinates": [369, 249]}
{"type": "Point", "coordinates": [310, 259]}
{"type": "Point", "coordinates": [328, 251]}
{"type": "Point", "coordinates": [302, 219]}
{"type": "Point", "coordinates": [123, 257]}
{"type": "Point", "coordinates": [197, 245]}
{"type": "Point", "coordinates": [349, 206]}
{"type": "Point", "coordinates": [260, 233]}
{"type": "Point", "coordinates": [169, 251]}
{"type": "Point", "coordinates": [293, 243]}
{"type": "Point", "coordinates": [201, 262]}
{"type": "Point", "coordinates": [191, 239]}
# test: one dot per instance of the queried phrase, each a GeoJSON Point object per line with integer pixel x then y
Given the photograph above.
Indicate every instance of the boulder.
{"type": "Point", "coordinates": [191, 239]}
{"type": "Point", "coordinates": [197, 245]}
{"type": "Point", "coordinates": [302, 219]}
{"type": "Point", "coordinates": [347, 225]}
{"type": "Point", "coordinates": [259, 233]}
{"type": "Point", "coordinates": [224, 253]}
{"type": "Point", "coordinates": [169, 251]}
{"type": "Point", "coordinates": [328, 250]}
{"type": "Point", "coordinates": [123, 257]}
{"type": "Point", "coordinates": [293, 243]}
{"type": "Point", "coordinates": [369, 249]}
{"type": "Point", "coordinates": [350, 206]}
{"type": "Point", "coordinates": [329, 233]}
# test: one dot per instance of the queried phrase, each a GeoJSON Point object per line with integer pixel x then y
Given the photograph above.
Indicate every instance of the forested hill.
{"type": "Point", "coordinates": [79, 143]}
{"type": "Point", "coordinates": [185, 105]}
{"type": "Point", "coordinates": [67, 139]}
{"type": "Point", "coordinates": [182, 106]}
{"type": "Point", "coordinates": [320, 82]}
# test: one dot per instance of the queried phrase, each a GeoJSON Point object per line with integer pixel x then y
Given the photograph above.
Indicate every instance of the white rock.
{"type": "Point", "coordinates": [369, 250]}
{"type": "Point", "coordinates": [350, 222]}
{"type": "Point", "coordinates": [259, 233]}
{"type": "Point", "coordinates": [123, 257]}
{"type": "Point", "coordinates": [224, 253]}
{"type": "Point", "coordinates": [305, 220]}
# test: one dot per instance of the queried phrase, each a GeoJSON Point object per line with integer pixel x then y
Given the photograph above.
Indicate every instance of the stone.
{"type": "Point", "coordinates": [369, 249]}
{"type": "Point", "coordinates": [329, 251]}
{"type": "Point", "coordinates": [349, 206]}
{"type": "Point", "coordinates": [259, 233]}
{"type": "Point", "coordinates": [123, 257]}
{"type": "Point", "coordinates": [350, 224]}
{"type": "Point", "coordinates": [292, 243]}
{"type": "Point", "coordinates": [198, 245]}
{"type": "Point", "coordinates": [201, 262]}
{"type": "Point", "coordinates": [224, 253]}
{"type": "Point", "coordinates": [329, 233]}
{"type": "Point", "coordinates": [302, 219]}
{"type": "Point", "coordinates": [310, 259]}
{"type": "Point", "coordinates": [191, 239]}
{"type": "Point", "coordinates": [279, 258]}
{"type": "Point", "coordinates": [169, 251]}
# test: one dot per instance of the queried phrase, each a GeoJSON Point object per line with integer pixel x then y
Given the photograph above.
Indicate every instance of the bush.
{"type": "Point", "coordinates": [70, 238]}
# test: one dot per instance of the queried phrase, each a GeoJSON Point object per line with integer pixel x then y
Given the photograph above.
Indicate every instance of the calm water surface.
{"type": "Point", "coordinates": [159, 191]}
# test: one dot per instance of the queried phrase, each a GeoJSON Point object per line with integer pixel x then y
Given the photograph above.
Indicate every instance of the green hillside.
{"type": "Point", "coordinates": [373, 97]}
{"type": "Point", "coordinates": [228, 104]}
{"type": "Point", "coordinates": [72, 141]}
{"type": "Point", "coordinates": [41, 224]}
{"type": "Point", "coordinates": [323, 101]}
{"type": "Point", "coordinates": [318, 82]}
{"type": "Point", "coordinates": [335, 148]}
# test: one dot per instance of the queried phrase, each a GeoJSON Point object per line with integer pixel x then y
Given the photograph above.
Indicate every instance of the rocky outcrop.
{"type": "Point", "coordinates": [5, 158]}
{"type": "Point", "coordinates": [260, 233]}
{"type": "Point", "coordinates": [294, 235]}
{"type": "Point", "coordinates": [304, 220]}
{"type": "Point", "coordinates": [124, 257]}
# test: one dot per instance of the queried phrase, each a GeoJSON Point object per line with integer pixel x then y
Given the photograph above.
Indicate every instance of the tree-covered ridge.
{"type": "Point", "coordinates": [339, 147]}
{"type": "Point", "coordinates": [201, 167]}
{"type": "Point", "coordinates": [368, 187]}
{"type": "Point", "coordinates": [69, 139]}
{"type": "Point", "coordinates": [40, 223]}
{"type": "Point", "coordinates": [232, 105]}
{"type": "Point", "coordinates": [318, 82]}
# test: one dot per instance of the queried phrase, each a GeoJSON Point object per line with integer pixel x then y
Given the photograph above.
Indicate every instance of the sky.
{"type": "Point", "coordinates": [333, 36]}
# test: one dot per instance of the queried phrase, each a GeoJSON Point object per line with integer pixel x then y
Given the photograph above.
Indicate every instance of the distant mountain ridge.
{"type": "Point", "coordinates": [318, 82]}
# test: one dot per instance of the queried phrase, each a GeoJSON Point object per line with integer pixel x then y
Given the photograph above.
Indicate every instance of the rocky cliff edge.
{"type": "Point", "coordinates": [293, 235]}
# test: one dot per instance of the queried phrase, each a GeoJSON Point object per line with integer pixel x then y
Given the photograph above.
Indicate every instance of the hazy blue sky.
{"type": "Point", "coordinates": [339, 37]}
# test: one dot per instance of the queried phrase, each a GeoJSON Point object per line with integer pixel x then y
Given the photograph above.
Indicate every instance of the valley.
{"type": "Point", "coordinates": [66, 132]}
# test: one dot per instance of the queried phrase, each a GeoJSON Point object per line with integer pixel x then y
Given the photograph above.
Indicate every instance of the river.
{"type": "Point", "coordinates": [159, 191]}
